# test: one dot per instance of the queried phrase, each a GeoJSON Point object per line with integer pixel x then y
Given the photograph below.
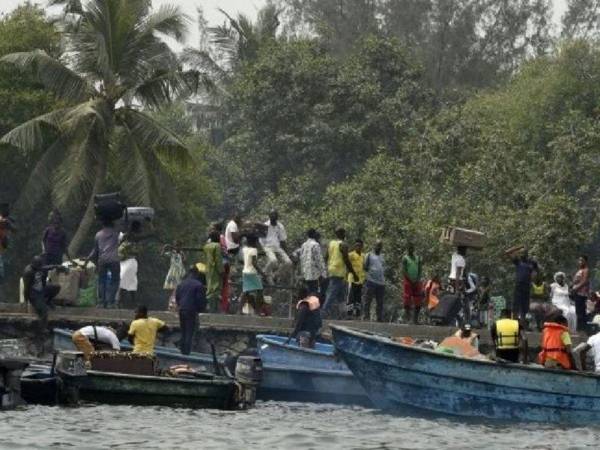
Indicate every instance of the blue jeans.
{"type": "Point", "coordinates": [107, 289]}
{"type": "Point", "coordinates": [336, 290]}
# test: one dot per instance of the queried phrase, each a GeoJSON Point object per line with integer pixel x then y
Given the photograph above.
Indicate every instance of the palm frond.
{"type": "Point", "coordinates": [167, 20]}
{"type": "Point", "coordinates": [32, 135]}
{"type": "Point", "coordinates": [166, 86]}
{"type": "Point", "coordinates": [38, 184]}
{"type": "Point", "coordinates": [153, 137]}
{"type": "Point", "coordinates": [203, 62]}
{"type": "Point", "coordinates": [53, 74]}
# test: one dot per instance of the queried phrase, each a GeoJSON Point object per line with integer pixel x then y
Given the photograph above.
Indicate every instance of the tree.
{"type": "Point", "coordinates": [581, 20]}
{"type": "Point", "coordinates": [116, 62]}
{"type": "Point", "coordinates": [236, 42]}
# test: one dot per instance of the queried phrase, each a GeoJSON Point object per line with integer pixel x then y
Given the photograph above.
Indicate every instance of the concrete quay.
{"type": "Point", "coordinates": [227, 332]}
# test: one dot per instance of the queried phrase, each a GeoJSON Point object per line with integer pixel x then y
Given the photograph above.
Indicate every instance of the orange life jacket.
{"type": "Point", "coordinates": [312, 302]}
{"type": "Point", "coordinates": [552, 345]}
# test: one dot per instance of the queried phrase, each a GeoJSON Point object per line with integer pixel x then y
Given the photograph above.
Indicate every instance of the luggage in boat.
{"type": "Point", "coordinates": [446, 311]}
{"type": "Point", "coordinates": [461, 237]}
{"type": "Point", "coordinates": [109, 206]}
{"type": "Point", "coordinates": [111, 361]}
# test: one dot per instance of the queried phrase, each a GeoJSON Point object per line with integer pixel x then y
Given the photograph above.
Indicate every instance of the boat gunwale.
{"type": "Point", "coordinates": [268, 339]}
{"type": "Point", "coordinates": [387, 341]}
{"type": "Point", "coordinates": [222, 381]}
{"type": "Point", "coordinates": [281, 368]}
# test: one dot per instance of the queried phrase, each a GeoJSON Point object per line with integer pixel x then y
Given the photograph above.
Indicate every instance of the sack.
{"type": "Point", "coordinates": [69, 286]}
{"type": "Point", "coordinates": [109, 206]}
{"type": "Point", "coordinates": [88, 295]}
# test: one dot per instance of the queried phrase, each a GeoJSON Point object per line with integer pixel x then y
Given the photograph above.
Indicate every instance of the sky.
{"type": "Point", "coordinates": [214, 17]}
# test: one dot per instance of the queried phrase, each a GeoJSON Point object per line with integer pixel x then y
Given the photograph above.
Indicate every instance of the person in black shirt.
{"type": "Point", "coordinates": [36, 290]}
{"type": "Point", "coordinates": [190, 297]}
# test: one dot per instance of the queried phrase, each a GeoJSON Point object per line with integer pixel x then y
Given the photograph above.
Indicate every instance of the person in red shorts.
{"type": "Point", "coordinates": [413, 293]}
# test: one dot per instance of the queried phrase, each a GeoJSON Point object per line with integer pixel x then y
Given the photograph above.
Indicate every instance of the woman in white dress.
{"type": "Point", "coordinates": [559, 294]}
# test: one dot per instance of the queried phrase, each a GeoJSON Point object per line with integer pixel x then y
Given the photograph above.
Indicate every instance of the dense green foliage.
{"type": "Point", "coordinates": [392, 118]}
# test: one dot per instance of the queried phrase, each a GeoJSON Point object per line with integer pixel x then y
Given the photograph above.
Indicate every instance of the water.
{"type": "Point", "coordinates": [271, 426]}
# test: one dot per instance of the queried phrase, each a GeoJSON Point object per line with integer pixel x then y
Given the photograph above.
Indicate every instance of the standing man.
{"type": "Point", "coordinates": [312, 264]}
{"type": "Point", "coordinates": [274, 246]}
{"type": "Point", "coordinates": [581, 291]}
{"type": "Point", "coordinates": [54, 240]}
{"type": "Point", "coordinates": [457, 268]}
{"type": "Point", "coordinates": [232, 234]}
{"type": "Point", "coordinates": [338, 267]}
{"type": "Point", "coordinates": [190, 296]}
{"type": "Point", "coordinates": [105, 255]}
{"type": "Point", "coordinates": [507, 336]}
{"type": "Point", "coordinates": [35, 289]}
{"type": "Point", "coordinates": [355, 285]}
{"type": "Point", "coordinates": [142, 331]}
{"type": "Point", "coordinates": [524, 268]}
{"type": "Point", "coordinates": [214, 270]}
{"type": "Point", "coordinates": [412, 290]}
{"type": "Point", "coordinates": [375, 285]}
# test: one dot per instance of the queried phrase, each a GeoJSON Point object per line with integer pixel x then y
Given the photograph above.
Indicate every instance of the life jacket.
{"type": "Point", "coordinates": [312, 302]}
{"type": "Point", "coordinates": [336, 265]}
{"type": "Point", "coordinates": [552, 345]}
{"type": "Point", "coordinates": [431, 288]}
{"type": "Point", "coordinates": [507, 332]}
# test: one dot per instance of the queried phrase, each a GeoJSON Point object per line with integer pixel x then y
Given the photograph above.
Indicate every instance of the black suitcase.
{"type": "Point", "coordinates": [446, 311]}
{"type": "Point", "coordinates": [109, 206]}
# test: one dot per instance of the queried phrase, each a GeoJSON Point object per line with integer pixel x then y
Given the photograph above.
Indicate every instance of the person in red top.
{"type": "Point", "coordinates": [556, 344]}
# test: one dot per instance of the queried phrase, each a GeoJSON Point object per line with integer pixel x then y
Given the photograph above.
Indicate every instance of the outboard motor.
{"type": "Point", "coordinates": [249, 374]}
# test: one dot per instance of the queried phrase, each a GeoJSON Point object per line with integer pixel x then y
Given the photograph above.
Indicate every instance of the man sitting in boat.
{"type": "Point", "coordinates": [91, 338]}
{"type": "Point", "coordinates": [308, 319]}
{"type": "Point", "coordinates": [556, 344]}
{"type": "Point", "coordinates": [582, 350]}
{"type": "Point", "coordinates": [142, 331]}
{"type": "Point", "coordinates": [466, 334]}
{"type": "Point", "coordinates": [508, 336]}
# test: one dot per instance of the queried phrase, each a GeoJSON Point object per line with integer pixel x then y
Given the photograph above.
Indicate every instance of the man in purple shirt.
{"type": "Point", "coordinates": [105, 255]}
{"type": "Point", "coordinates": [54, 240]}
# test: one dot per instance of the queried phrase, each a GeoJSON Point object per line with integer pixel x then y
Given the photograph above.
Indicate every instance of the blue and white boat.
{"type": "Point", "coordinates": [295, 373]}
{"type": "Point", "coordinates": [404, 377]}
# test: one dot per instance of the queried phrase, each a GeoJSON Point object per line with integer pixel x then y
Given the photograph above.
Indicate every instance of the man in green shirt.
{"type": "Point", "coordinates": [412, 291]}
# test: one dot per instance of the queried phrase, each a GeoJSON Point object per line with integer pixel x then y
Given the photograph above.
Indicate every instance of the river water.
{"type": "Point", "coordinates": [271, 426]}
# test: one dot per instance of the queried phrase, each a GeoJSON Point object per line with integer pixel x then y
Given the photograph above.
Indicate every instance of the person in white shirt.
{"type": "Point", "coordinates": [232, 234]}
{"type": "Point", "coordinates": [274, 246]}
{"type": "Point", "coordinates": [91, 338]}
{"type": "Point", "coordinates": [593, 344]}
{"type": "Point", "coordinates": [457, 267]}
{"type": "Point", "coordinates": [252, 287]}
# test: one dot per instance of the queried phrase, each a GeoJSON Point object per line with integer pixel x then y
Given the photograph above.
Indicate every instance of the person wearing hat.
{"type": "Point", "coordinates": [91, 338]}
{"type": "Point", "coordinates": [466, 334]}
{"type": "Point", "coordinates": [190, 297]}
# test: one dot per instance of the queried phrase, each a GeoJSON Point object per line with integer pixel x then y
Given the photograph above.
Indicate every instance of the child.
{"type": "Point", "coordinates": [176, 270]}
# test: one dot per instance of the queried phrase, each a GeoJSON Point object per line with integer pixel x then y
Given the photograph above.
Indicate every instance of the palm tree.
{"type": "Point", "coordinates": [236, 42]}
{"type": "Point", "coordinates": [115, 63]}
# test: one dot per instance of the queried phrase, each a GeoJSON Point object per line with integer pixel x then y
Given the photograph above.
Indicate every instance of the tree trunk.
{"type": "Point", "coordinates": [89, 216]}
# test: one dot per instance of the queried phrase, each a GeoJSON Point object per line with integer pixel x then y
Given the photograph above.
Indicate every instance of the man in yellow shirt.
{"type": "Point", "coordinates": [142, 331]}
{"type": "Point", "coordinates": [356, 280]}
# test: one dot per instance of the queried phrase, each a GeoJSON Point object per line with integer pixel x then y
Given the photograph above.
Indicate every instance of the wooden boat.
{"type": "Point", "coordinates": [401, 377]}
{"type": "Point", "coordinates": [294, 373]}
{"type": "Point", "coordinates": [39, 385]}
{"type": "Point", "coordinates": [203, 391]}
{"type": "Point", "coordinates": [167, 357]}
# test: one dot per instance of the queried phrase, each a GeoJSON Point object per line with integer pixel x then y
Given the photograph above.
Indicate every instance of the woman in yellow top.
{"type": "Point", "coordinates": [356, 280]}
